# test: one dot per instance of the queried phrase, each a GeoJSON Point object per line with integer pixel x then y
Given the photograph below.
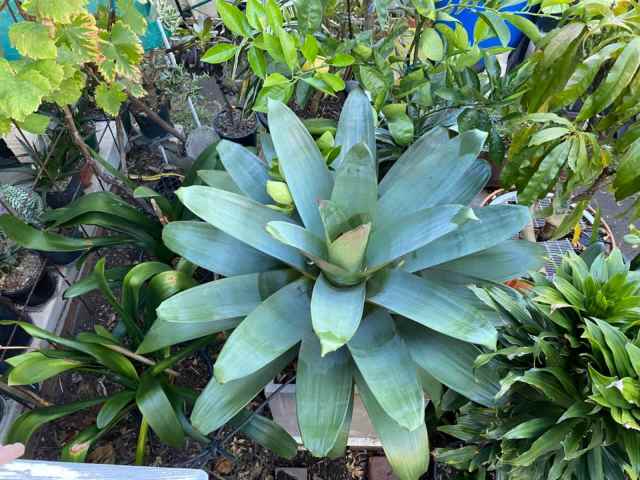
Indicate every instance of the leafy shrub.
{"type": "Point", "coordinates": [331, 284]}
{"type": "Point", "coordinates": [567, 403]}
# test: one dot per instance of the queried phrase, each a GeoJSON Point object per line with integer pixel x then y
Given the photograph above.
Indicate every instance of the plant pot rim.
{"type": "Point", "coordinates": [609, 236]}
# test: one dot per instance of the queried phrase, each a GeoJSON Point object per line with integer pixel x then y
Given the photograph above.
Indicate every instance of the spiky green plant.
{"type": "Point", "coordinates": [567, 406]}
{"type": "Point", "coordinates": [331, 283]}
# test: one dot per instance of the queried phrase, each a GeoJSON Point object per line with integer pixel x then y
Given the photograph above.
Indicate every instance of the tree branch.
{"type": "Point", "coordinates": [156, 118]}
{"type": "Point", "coordinates": [597, 185]}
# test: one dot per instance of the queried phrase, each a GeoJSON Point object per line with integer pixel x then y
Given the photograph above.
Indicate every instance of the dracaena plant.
{"type": "Point", "coordinates": [578, 131]}
{"type": "Point", "coordinates": [144, 384]}
{"type": "Point", "coordinates": [329, 284]}
{"type": "Point", "coordinates": [566, 406]}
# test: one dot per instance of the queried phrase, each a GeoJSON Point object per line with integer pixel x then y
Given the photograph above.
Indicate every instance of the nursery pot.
{"type": "Point", "coordinates": [60, 199]}
{"type": "Point", "coordinates": [149, 128]}
{"type": "Point", "coordinates": [283, 409]}
{"type": "Point", "coordinates": [242, 131]}
{"type": "Point", "coordinates": [36, 278]}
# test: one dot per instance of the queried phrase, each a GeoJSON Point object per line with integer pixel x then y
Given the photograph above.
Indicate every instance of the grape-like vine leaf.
{"type": "Point", "coordinates": [131, 16]}
{"type": "Point", "coordinates": [110, 97]}
{"type": "Point", "coordinates": [78, 40]}
{"type": "Point", "coordinates": [59, 11]}
{"type": "Point", "coordinates": [32, 40]}
{"type": "Point", "coordinates": [122, 52]}
{"type": "Point", "coordinates": [21, 91]}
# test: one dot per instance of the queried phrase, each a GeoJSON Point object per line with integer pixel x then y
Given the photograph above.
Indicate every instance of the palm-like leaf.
{"type": "Point", "coordinates": [358, 248]}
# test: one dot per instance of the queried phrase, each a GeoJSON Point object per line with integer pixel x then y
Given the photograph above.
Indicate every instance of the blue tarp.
{"type": "Point", "coordinates": [469, 19]}
{"type": "Point", "coordinates": [150, 40]}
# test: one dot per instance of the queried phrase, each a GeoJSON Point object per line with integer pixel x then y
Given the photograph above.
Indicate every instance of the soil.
{"type": "Point", "coordinates": [328, 107]}
{"type": "Point", "coordinates": [23, 274]}
{"type": "Point", "coordinates": [240, 127]}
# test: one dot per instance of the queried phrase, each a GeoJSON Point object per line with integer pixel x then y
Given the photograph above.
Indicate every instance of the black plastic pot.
{"type": "Point", "coordinates": [149, 128]}
{"type": "Point", "coordinates": [248, 140]}
{"type": "Point", "coordinates": [73, 191]}
{"type": "Point", "coordinates": [11, 335]}
{"type": "Point", "coordinates": [45, 287]}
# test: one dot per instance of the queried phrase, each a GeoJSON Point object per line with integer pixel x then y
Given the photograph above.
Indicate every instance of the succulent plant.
{"type": "Point", "coordinates": [364, 281]}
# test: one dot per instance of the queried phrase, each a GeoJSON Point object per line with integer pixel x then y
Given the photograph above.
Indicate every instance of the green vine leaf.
{"type": "Point", "coordinates": [70, 88]}
{"type": "Point", "coordinates": [110, 97]}
{"type": "Point", "coordinates": [122, 52]}
{"type": "Point", "coordinates": [35, 123]}
{"type": "Point", "coordinates": [21, 92]}
{"type": "Point", "coordinates": [78, 40]}
{"type": "Point", "coordinates": [32, 40]}
{"type": "Point", "coordinates": [60, 11]}
{"type": "Point", "coordinates": [132, 16]}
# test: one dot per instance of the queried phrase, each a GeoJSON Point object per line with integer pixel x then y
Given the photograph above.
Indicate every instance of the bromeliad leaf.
{"type": "Point", "coordinates": [384, 362]}
{"type": "Point", "coordinates": [252, 335]}
{"type": "Point", "coordinates": [336, 313]}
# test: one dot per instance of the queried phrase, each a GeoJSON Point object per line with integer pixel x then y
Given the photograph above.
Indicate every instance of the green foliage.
{"type": "Point", "coordinates": [59, 42]}
{"type": "Point", "coordinates": [593, 57]}
{"type": "Point", "coordinates": [567, 404]}
{"type": "Point", "coordinates": [341, 269]}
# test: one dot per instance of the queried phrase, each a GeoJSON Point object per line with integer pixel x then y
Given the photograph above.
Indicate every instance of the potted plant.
{"type": "Point", "coordinates": [566, 358]}
{"type": "Point", "coordinates": [328, 290]}
{"type": "Point", "coordinates": [23, 276]}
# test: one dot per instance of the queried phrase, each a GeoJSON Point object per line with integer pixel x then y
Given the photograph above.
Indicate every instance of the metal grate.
{"type": "Point", "coordinates": [555, 250]}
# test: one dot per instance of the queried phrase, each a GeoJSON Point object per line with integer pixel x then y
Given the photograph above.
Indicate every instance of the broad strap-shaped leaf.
{"type": "Point", "coordinates": [336, 313]}
{"type": "Point", "coordinates": [433, 305]}
{"type": "Point", "coordinates": [302, 164]}
{"type": "Point", "coordinates": [339, 449]}
{"type": "Point", "coordinates": [133, 282]}
{"type": "Point", "coordinates": [427, 183]}
{"type": "Point", "coordinates": [220, 402]}
{"type": "Point", "coordinates": [451, 362]}
{"type": "Point", "coordinates": [29, 422]}
{"type": "Point", "coordinates": [383, 360]}
{"type": "Point", "coordinates": [417, 152]}
{"type": "Point", "coordinates": [165, 334]}
{"type": "Point", "coordinates": [102, 202]}
{"type": "Point", "coordinates": [407, 451]}
{"type": "Point", "coordinates": [110, 359]}
{"type": "Point", "coordinates": [349, 249]}
{"type": "Point", "coordinates": [210, 248]}
{"type": "Point", "coordinates": [356, 125]}
{"type": "Point", "coordinates": [548, 442]}
{"type": "Point", "coordinates": [242, 218]}
{"type": "Point", "coordinates": [463, 190]}
{"type": "Point", "coordinates": [507, 260]}
{"type": "Point", "coordinates": [275, 326]}
{"type": "Point", "coordinates": [225, 298]}
{"type": "Point", "coordinates": [407, 233]}
{"type": "Point", "coordinates": [247, 170]}
{"type": "Point", "coordinates": [356, 185]}
{"type": "Point", "coordinates": [34, 367]}
{"type": "Point", "coordinates": [219, 179]}
{"type": "Point", "coordinates": [77, 449]}
{"type": "Point", "coordinates": [37, 239]}
{"type": "Point", "coordinates": [266, 432]}
{"type": "Point", "coordinates": [324, 385]}
{"type": "Point", "coordinates": [495, 224]}
{"type": "Point", "coordinates": [158, 411]}
{"type": "Point", "coordinates": [299, 238]}
{"type": "Point", "coordinates": [113, 407]}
